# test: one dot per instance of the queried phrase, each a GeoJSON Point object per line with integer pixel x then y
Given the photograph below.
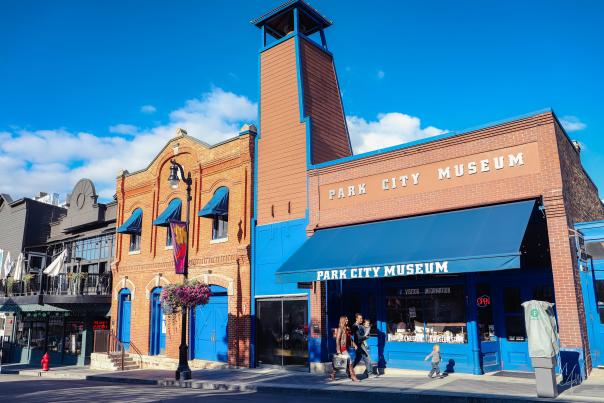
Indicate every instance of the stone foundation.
{"type": "Point", "coordinates": [102, 362]}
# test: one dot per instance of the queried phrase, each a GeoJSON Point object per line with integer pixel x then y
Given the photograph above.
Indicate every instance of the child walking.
{"type": "Point", "coordinates": [436, 358]}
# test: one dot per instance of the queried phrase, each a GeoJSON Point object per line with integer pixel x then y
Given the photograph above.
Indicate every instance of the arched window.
{"type": "Point", "coordinates": [218, 209]}
{"type": "Point", "coordinates": [171, 212]}
{"type": "Point", "coordinates": [133, 226]}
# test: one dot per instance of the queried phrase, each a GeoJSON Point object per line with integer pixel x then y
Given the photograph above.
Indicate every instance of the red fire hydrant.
{"type": "Point", "coordinates": [45, 361]}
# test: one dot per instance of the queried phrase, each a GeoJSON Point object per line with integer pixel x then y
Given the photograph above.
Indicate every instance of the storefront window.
{"type": "Point", "coordinates": [514, 315]}
{"type": "Point", "coordinates": [55, 333]}
{"type": "Point", "coordinates": [511, 300]}
{"type": "Point", "coordinates": [600, 299]}
{"type": "Point", "coordinates": [427, 314]}
{"type": "Point", "coordinates": [38, 335]}
{"type": "Point", "coordinates": [22, 333]}
{"type": "Point", "coordinates": [73, 336]}
{"type": "Point", "coordinates": [544, 293]}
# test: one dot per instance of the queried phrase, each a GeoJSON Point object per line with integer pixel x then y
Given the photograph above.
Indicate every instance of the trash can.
{"type": "Point", "coordinates": [543, 345]}
{"type": "Point", "coordinates": [545, 376]}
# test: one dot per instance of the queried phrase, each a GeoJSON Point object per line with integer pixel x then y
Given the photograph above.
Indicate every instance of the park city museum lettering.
{"type": "Point", "coordinates": [477, 168]}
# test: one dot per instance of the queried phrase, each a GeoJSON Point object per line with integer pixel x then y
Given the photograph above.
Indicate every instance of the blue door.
{"type": "Point", "coordinates": [124, 311]}
{"type": "Point", "coordinates": [490, 356]}
{"type": "Point", "coordinates": [593, 295]}
{"type": "Point", "coordinates": [157, 331]}
{"type": "Point", "coordinates": [209, 328]}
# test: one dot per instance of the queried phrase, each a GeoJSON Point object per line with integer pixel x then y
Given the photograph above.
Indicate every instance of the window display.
{"type": "Point", "coordinates": [73, 336]}
{"type": "Point", "coordinates": [427, 314]}
{"type": "Point", "coordinates": [55, 333]}
{"type": "Point", "coordinates": [38, 335]}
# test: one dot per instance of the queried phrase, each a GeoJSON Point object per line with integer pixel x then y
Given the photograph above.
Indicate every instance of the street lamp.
{"type": "Point", "coordinates": [183, 372]}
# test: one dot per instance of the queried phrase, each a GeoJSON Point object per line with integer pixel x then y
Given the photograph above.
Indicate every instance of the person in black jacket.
{"type": "Point", "coordinates": [359, 336]}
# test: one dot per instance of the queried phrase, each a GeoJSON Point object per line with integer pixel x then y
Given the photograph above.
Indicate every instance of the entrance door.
{"type": "Point", "coordinates": [209, 327]}
{"type": "Point", "coordinates": [489, 341]}
{"type": "Point", "coordinates": [157, 331]}
{"type": "Point", "coordinates": [124, 311]}
{"type": "Point", "coordinates": [514, 345]}
{"type": "Point", "coordinates": [593, 289]}
{"type": "Point", "coordinates": [282, 332]}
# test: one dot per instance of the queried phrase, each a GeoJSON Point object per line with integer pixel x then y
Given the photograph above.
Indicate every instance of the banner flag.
{"type": "Point", "coordinates": [179, 243]}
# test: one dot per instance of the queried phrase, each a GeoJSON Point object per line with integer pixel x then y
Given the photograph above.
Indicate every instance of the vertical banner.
{"type": "Point", "coordinates": [179, 242]}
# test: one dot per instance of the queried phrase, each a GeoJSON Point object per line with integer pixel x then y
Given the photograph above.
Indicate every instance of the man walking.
{"type": "Point", "coordinates": [359, 336]}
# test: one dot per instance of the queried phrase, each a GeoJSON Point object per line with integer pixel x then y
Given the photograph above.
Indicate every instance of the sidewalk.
{"type": "Point", "coordinates": [407, 385]}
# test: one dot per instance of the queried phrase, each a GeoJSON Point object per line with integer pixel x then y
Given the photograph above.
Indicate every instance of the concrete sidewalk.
{"type": "Point", "coordinates": [404, 385]}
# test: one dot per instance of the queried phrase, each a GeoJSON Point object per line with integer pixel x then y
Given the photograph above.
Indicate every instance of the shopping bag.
{"type": "Point", "coordinates": [339, 361]}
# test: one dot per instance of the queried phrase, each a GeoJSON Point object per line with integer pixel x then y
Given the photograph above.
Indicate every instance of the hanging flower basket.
{"type": "Point", "coordinates": [175, 297]}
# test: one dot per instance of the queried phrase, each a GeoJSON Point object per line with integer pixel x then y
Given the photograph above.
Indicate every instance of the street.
{"type": "Point", "coordinates": [33, 389]}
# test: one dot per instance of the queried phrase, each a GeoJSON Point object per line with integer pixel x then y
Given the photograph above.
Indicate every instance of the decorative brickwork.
{"type": "Point", "coordinates": [225, 263]}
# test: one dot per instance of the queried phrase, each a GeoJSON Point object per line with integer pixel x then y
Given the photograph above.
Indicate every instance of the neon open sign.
{"type": "Point", "coordinates": [483, 301]}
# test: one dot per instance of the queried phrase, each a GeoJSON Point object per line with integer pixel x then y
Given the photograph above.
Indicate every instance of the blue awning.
{"type": "Point", "coordinates": [172, 212]}
{"type": "Point", "coordinates": [218, 204]}
{"type": "Point", "coordinates": [134, 224]}
{"type": "Point", "coordinates": [472, 240]}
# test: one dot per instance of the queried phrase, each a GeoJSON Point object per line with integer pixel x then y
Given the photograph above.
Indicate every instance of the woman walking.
{"type": "Point", "coordinates": [342, 345]}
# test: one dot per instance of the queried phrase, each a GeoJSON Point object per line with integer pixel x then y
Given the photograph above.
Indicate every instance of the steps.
{"type": "Point", "coordinates": [113, 362]}
{"type": "Point", "coordinates": [129, 362]}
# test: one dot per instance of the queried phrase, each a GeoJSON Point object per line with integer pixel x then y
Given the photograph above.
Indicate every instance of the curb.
{"type": "Point", "coordinates": [336, 390]}
{"type": "Point", "coordinates": [116, 379]}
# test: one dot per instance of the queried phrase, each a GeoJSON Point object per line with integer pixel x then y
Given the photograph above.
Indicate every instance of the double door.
{"type": "Point", "coordinates": [501, 328]}
{"type": "Point", "coordinates": [209, 329]}
{"type": "Point", "coordinates": [282, 332]}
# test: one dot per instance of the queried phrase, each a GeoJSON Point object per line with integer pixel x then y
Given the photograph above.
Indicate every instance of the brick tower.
{"type": "Point", "coordinates": [301, 116]}
{"type": "Point", "coordinates": [302, 124]}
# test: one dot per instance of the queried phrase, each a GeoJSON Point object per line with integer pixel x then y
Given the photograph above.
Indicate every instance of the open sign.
{"type": "Point", "coordinates": [483, 301]}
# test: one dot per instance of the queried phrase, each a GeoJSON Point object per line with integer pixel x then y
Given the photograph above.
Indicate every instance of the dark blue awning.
{"type": "Point", "coordinates": [172, 212]}
{"type": "Point", "coordinates": [218, 204]}
{"type": "Point", "coordinates": [472, 240]}
{"type": "Point", "coordinates": [134, 224]}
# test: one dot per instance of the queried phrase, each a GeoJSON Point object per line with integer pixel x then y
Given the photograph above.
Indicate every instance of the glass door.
{"type": "Point", "coordinates": [489, 342]}
{"type": "Point", "coordinates": [282, 332]}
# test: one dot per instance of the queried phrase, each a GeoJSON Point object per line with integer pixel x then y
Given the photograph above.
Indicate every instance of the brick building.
{"type": "Point", "coordinates": [437, 241]}
{"type": "Point", "coordinates": [219, 253]}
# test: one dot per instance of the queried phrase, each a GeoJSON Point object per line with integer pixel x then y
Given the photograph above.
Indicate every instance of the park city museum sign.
{"type": "Point", "coordinates": [469, 170]}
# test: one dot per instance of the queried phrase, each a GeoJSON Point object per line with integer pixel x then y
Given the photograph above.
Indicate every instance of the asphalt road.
{"type": "Point", "coordinates": [15, 388]}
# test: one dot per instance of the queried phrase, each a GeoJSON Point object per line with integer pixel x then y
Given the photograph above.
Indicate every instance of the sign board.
{"type": "Point", "coordinates": [466, 170]}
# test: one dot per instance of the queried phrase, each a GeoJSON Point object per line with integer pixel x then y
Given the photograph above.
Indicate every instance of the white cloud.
{"type": "Point", "coordinates": [388, 130]}
{"type": "Point", "coordinates": [148, 109]}
{"type": "Point", "coordinates": [381, 74]}
{"type": "Point", "coordinates": [572, 123]}
{"type": "Point", "coordinates": [123, 129]}
{"type": "Point", "coordinates": [53, 160]}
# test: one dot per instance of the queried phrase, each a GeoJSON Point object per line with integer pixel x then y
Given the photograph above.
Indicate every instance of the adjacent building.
{"type": "Point", "coordinates": [219, 252]}
{"type": "Point", "coordinates": [57, 313]}
{"type": "Point", "coordinates": [436, 241]}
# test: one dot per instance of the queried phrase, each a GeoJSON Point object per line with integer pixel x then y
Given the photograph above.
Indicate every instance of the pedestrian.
{"type": "Point", "coordinates": [436, 359]}
{"type": "Point", "coordinates": [360, 337]}
{"type": "Point", "coordinates": [342, 345]}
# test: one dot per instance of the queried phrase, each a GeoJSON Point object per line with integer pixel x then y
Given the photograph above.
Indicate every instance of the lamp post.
{"type": "Point", "coordinates": [183, 372]}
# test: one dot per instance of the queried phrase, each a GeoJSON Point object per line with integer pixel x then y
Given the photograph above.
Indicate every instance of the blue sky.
{"type": "Point", "coordinates": [87, 88]}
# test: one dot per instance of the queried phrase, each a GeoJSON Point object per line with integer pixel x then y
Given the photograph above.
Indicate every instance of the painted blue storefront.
{"type": "Point", "coordinates": [592, 284]}
{"type": "Point", "coordinates": [475, 337]}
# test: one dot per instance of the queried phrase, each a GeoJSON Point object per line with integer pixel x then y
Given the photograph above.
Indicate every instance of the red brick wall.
{"type": "Point", "coordinates": [226, 264]}
{"type": "Point", "coordinates": [582, 203]}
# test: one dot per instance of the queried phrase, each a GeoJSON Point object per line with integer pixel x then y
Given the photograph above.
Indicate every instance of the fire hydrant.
{"type": "Point", "coordinates": [45, 361]}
